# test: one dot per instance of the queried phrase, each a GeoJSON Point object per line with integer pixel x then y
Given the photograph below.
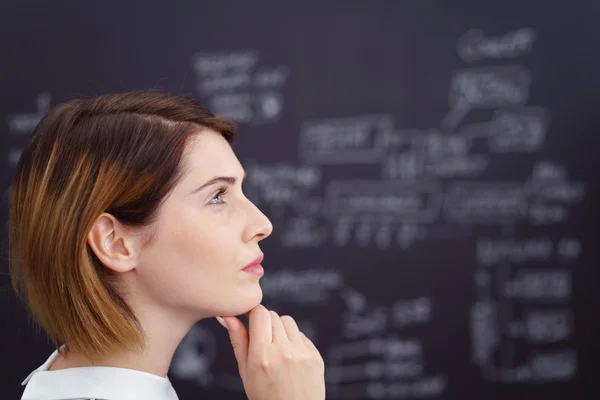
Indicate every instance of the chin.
{"type": "Point", "coordinates": [242, 303]}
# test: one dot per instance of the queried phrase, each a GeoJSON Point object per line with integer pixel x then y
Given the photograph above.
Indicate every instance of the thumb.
{"type": "Point", "coordinates": [238, 336]}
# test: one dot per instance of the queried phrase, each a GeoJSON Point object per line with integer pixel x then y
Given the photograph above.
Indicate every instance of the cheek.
{"type": "Point", "coordinates": [193, 241]}
{"type": "Point", "coordinates": [188, 264]}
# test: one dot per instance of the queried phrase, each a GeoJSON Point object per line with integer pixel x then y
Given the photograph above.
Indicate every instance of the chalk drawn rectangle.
{"type": "Point", "coordinates": [540, 285]}
{"type": "Point", "coordinates": [485, 87]}
{"type": "Point", "coordinates": [553, 365]}
{"type": "Point", "coordinates": [343, 140]}
{"type": "Point", "coordinates": [548, 325]}
{"type": "Point", "coordinates": [518, 130]}
{"type": "Point", "coordinates": [394, 201]}
{"type": "Point", "coordinates": [485, 202]}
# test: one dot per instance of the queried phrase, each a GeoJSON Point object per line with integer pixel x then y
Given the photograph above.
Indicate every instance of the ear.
{"type": "Point", "coordinates": [114, 244]}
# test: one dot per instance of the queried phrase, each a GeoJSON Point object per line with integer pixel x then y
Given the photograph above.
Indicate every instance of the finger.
{"type": "Point", "coordinates": [279, 334]}
{"type": "Point", "coordinates": [238, 336]}
{"type": "Point", "coordinates": [261, 332]}
{"type": "Point", "coordinates": [291, 328]}
{"type": "Point", "coordinates": [309, 342]}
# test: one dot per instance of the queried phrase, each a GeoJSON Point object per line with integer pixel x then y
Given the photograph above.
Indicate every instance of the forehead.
{"type": "Point", "coordinates": [208, 154]}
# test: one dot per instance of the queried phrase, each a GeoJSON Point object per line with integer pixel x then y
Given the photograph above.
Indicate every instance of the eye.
{"type": "Point", "coordinates": [217, 198]}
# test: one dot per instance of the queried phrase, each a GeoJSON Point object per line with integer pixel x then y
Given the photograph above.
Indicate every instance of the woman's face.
{"type": "Point", "coordinates": [205, 237]}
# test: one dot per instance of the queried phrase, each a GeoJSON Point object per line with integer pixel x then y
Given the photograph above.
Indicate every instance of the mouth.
{"type": "Point", "coordinates": [254, 267]}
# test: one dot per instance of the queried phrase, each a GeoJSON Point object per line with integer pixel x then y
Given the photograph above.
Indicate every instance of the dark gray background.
{"type": "Point", "coordinates": [391, 62]}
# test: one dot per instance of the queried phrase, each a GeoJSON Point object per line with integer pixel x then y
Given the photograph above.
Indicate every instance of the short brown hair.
{"type": "Point", "coordinates": [120, 154]}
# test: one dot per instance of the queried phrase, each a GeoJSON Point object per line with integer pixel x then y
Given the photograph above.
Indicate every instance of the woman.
{"type": "Point", "coordinates": [128, 225]}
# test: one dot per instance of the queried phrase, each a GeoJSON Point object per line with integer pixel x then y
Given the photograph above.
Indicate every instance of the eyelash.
{"type": "Point", "coordinates": [221, 192]}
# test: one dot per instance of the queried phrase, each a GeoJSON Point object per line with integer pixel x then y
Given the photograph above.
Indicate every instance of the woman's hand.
{"type": "Point", "coordinates": [275, 360]}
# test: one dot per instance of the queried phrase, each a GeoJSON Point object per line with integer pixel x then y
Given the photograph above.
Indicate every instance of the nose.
{"type": "Point", "coordinates": [259, 226]}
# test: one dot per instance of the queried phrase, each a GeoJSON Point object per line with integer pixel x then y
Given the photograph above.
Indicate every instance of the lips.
{"type": "Point", "coordinates": [256, 261]}
{"type": "Point", "coordinates": [254, 267]}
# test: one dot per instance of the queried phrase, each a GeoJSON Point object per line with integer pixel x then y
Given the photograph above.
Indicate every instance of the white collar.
{"type": "Point", "coordinates": [95, 382]}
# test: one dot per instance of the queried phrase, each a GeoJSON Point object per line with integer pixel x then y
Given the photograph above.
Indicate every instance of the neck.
{"type": "Point", "coordinates": [163, 335]}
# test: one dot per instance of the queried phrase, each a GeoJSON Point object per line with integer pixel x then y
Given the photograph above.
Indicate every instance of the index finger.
{"type": "Point", "coordinates": [260, 330]}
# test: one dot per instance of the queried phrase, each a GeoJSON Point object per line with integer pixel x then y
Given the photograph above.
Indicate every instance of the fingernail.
{"type": "Point", "coordinates": [222, 322]}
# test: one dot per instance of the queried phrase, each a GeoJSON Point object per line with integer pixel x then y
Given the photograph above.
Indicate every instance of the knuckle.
{"type": "Point", "coordinates": [304, 356]}
{"type": "Point", "coordinates": [307, 359]}
{"type": "Point", "coordinates": [284, 352]}
{"type": "Point", "coordinates": [261, 361]}
{"type": "Point", "coordinates": [319, 360]}
{"type": "Point", "coordinates": [318, 355]}
{"type": "Point", "coordinates": [287, 357]}
{"type": "Point", "coordinates": [316, 361]}
{"type": "Point", "coordinates": [264, 364]}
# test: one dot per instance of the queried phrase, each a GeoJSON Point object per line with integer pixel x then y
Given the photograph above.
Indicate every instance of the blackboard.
{"type": "Point", "coordinates": [430, 169]}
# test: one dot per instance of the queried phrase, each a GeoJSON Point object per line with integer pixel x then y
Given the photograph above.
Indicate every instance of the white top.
{"type": "Point", "coordinates": [95, 383]}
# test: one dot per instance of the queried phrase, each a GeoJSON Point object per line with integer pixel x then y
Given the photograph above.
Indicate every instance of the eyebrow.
{"type": "Point", "coordinates": [230, 180]}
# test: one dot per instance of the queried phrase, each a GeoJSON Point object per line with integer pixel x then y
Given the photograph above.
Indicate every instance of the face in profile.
{"type": "Point", "coordinates": [207, 231]}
